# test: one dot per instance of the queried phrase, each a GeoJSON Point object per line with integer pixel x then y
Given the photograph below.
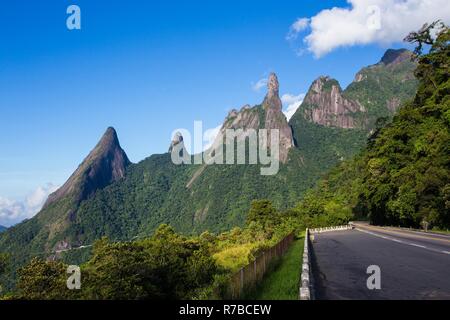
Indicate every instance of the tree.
{"type": "Point", "coordinates": [4, 262]}
{"type": "Point", "coordinates": [424, 36]}
{"type": "Point", "coordinates": [261, 211]}
{"type": "Point", "coordinates": [43, 280]}
{"type": "Point", "coordinates": [407, 164]}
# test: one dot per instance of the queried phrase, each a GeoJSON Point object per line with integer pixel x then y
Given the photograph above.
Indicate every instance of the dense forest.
{"type": "Point", "coordinates": [107, 196]}
{"type": "Point", "coordinates": [166, 265]}
{"type": "Point", "coordinates": [402, 178]}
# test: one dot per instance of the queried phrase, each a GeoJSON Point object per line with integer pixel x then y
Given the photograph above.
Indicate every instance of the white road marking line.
{"type": "Point", "coordinates": [403, 242]}
{"type": "Point", "coordinates": [417, 245]}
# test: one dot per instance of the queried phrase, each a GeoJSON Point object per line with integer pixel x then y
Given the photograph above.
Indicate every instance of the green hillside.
{"type": "Point", "coordinates": [191, 198]}
{"type": "Point", "coordinates": [403, 176]}
{"type": "Point", "coordinates": [384, 87]}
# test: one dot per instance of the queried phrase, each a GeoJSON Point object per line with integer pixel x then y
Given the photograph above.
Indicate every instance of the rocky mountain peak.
{"type": "Point", "coordinates": [232, 113]}
{"type": "Point", "coordinates": [325, 83]}
{"type": "Point", "coordinates": [324, 104]}
{"type": "Point", "coordinates": [395, 56]}
{"type": "Point", "coordinates": [272, 99]}
{"type": "Point", "coordinates": [109, 138]}
{"type": "Point", "coordinates": [269, 115]}
{"type": "Point", "coordinates": [274, 117]}
{"type": "Point", "coordinates": [273, 87]}
{"type": "Point", "coordinates": [105, 164]}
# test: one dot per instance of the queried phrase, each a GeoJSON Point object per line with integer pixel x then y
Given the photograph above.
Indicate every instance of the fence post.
{"type": "Point", "coordinates": [265, 258]}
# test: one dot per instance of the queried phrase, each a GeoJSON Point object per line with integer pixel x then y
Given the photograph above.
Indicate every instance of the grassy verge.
{"type": "Point", "coordinates": [447, 232]}
{"type": "Point", "coordinates": [283, 282]}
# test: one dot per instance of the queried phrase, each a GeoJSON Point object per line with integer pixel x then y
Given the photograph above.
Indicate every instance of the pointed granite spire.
{"type": "Point", "coordinates": [105, 164]}
{"type": "Point", "coordinates": [272, 99]}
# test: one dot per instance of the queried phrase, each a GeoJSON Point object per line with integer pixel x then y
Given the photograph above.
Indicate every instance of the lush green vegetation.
{"type": "Point", "coordinates": [403, 176]}
{"type": "Point", "coordinates": [194, 198]}
{"type": "Point", "coordinates": [406, 180]}
{"type": "Point", "coordinates": [166, 265]}
{"type": "Point", "coordinates": [283, 282]}
{"type": "Point", "coordinates": [383, 84]}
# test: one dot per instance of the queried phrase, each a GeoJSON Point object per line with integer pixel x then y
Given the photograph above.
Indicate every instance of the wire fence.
{"type": "Point", "coordinates": [249, 276]}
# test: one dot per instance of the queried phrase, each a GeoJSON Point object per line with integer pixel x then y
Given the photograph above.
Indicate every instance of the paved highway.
{"type": "Point", "coordinates": [414, 265]}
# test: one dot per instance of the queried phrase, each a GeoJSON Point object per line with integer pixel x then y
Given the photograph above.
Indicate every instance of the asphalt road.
{"type": "Point", "coordinates": [413, 265]}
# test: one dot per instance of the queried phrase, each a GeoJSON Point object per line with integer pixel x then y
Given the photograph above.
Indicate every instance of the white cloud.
{"type": "Point", "coordinates": [209, 136]}
{"type": "Point", "coordinates": [291, 103]}
{"type": "Point", "coordinates": [13, 211]}
{"type": "Point", "coordinates": [369, 21]}
{"type": "Point", "coordinates": [297, 27]}
{"type": "Point", "coordinates": [260, 84]}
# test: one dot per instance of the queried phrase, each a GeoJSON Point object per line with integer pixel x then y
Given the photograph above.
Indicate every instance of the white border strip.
{"type": "Point", "coordinates": [402, 241]}
{"type": "Point", "coordinates": [305, 288]}
{"type": "Point", "coordinates": [329, 229]}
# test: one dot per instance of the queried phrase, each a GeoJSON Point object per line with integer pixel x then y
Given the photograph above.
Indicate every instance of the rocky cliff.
{"type": "Point", "coordinates": [275, 118]}
{"type": "Point", "coordinates": [268, 115]}
{"type": "Point", "coordinates": [376, 91]}
{"type": "Point", "coordinates": [105, 164]}
{"type": "Point", "coordinates": [325, 105]}
{"type": "Point", "coordinates": [383, 87]}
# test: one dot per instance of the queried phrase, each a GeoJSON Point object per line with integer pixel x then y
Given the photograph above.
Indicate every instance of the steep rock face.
{"type": "Point", "coordinates": [377, 91]}
{"type": "Point", "coordinates": [269, 115]}
{"type": "Point", "coordinates": [275, 119]}
{"type": "Point", "coordinates": [105, 164]}
{"type": "Point", "coordinates": [272, 99]}
{"type": "Point", "coordinates": [383, 87]}
{"type": "Point", "coordinates": [325, 105]}
{"type": "Point", "coordinates": [394, 57]}
{"type": "Point", "coordinates": [246, 118]}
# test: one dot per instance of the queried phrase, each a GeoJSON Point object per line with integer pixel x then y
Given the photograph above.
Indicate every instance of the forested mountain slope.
{"type": "Point", "coordinates": [109, 196]}
{"type": "Point", "coordinates": [403, 176]}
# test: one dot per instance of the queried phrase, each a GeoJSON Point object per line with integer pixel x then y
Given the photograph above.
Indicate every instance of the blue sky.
{"type": "Point", "coordinates": [147, 68]}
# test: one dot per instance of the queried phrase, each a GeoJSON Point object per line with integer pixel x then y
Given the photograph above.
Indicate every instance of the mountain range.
{"type": "Point", "coordinates": [110, 196]}
{"type": "Point", "coordinates": [402, 176]}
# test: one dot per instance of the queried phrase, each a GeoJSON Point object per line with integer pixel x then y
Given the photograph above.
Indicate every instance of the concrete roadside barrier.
{"type": "Point", "coordinates": [305, 285]}
{"type": "Point", "coordinates": [306, 282]}
{"type": "Point", "coordinates": [330, 229]}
